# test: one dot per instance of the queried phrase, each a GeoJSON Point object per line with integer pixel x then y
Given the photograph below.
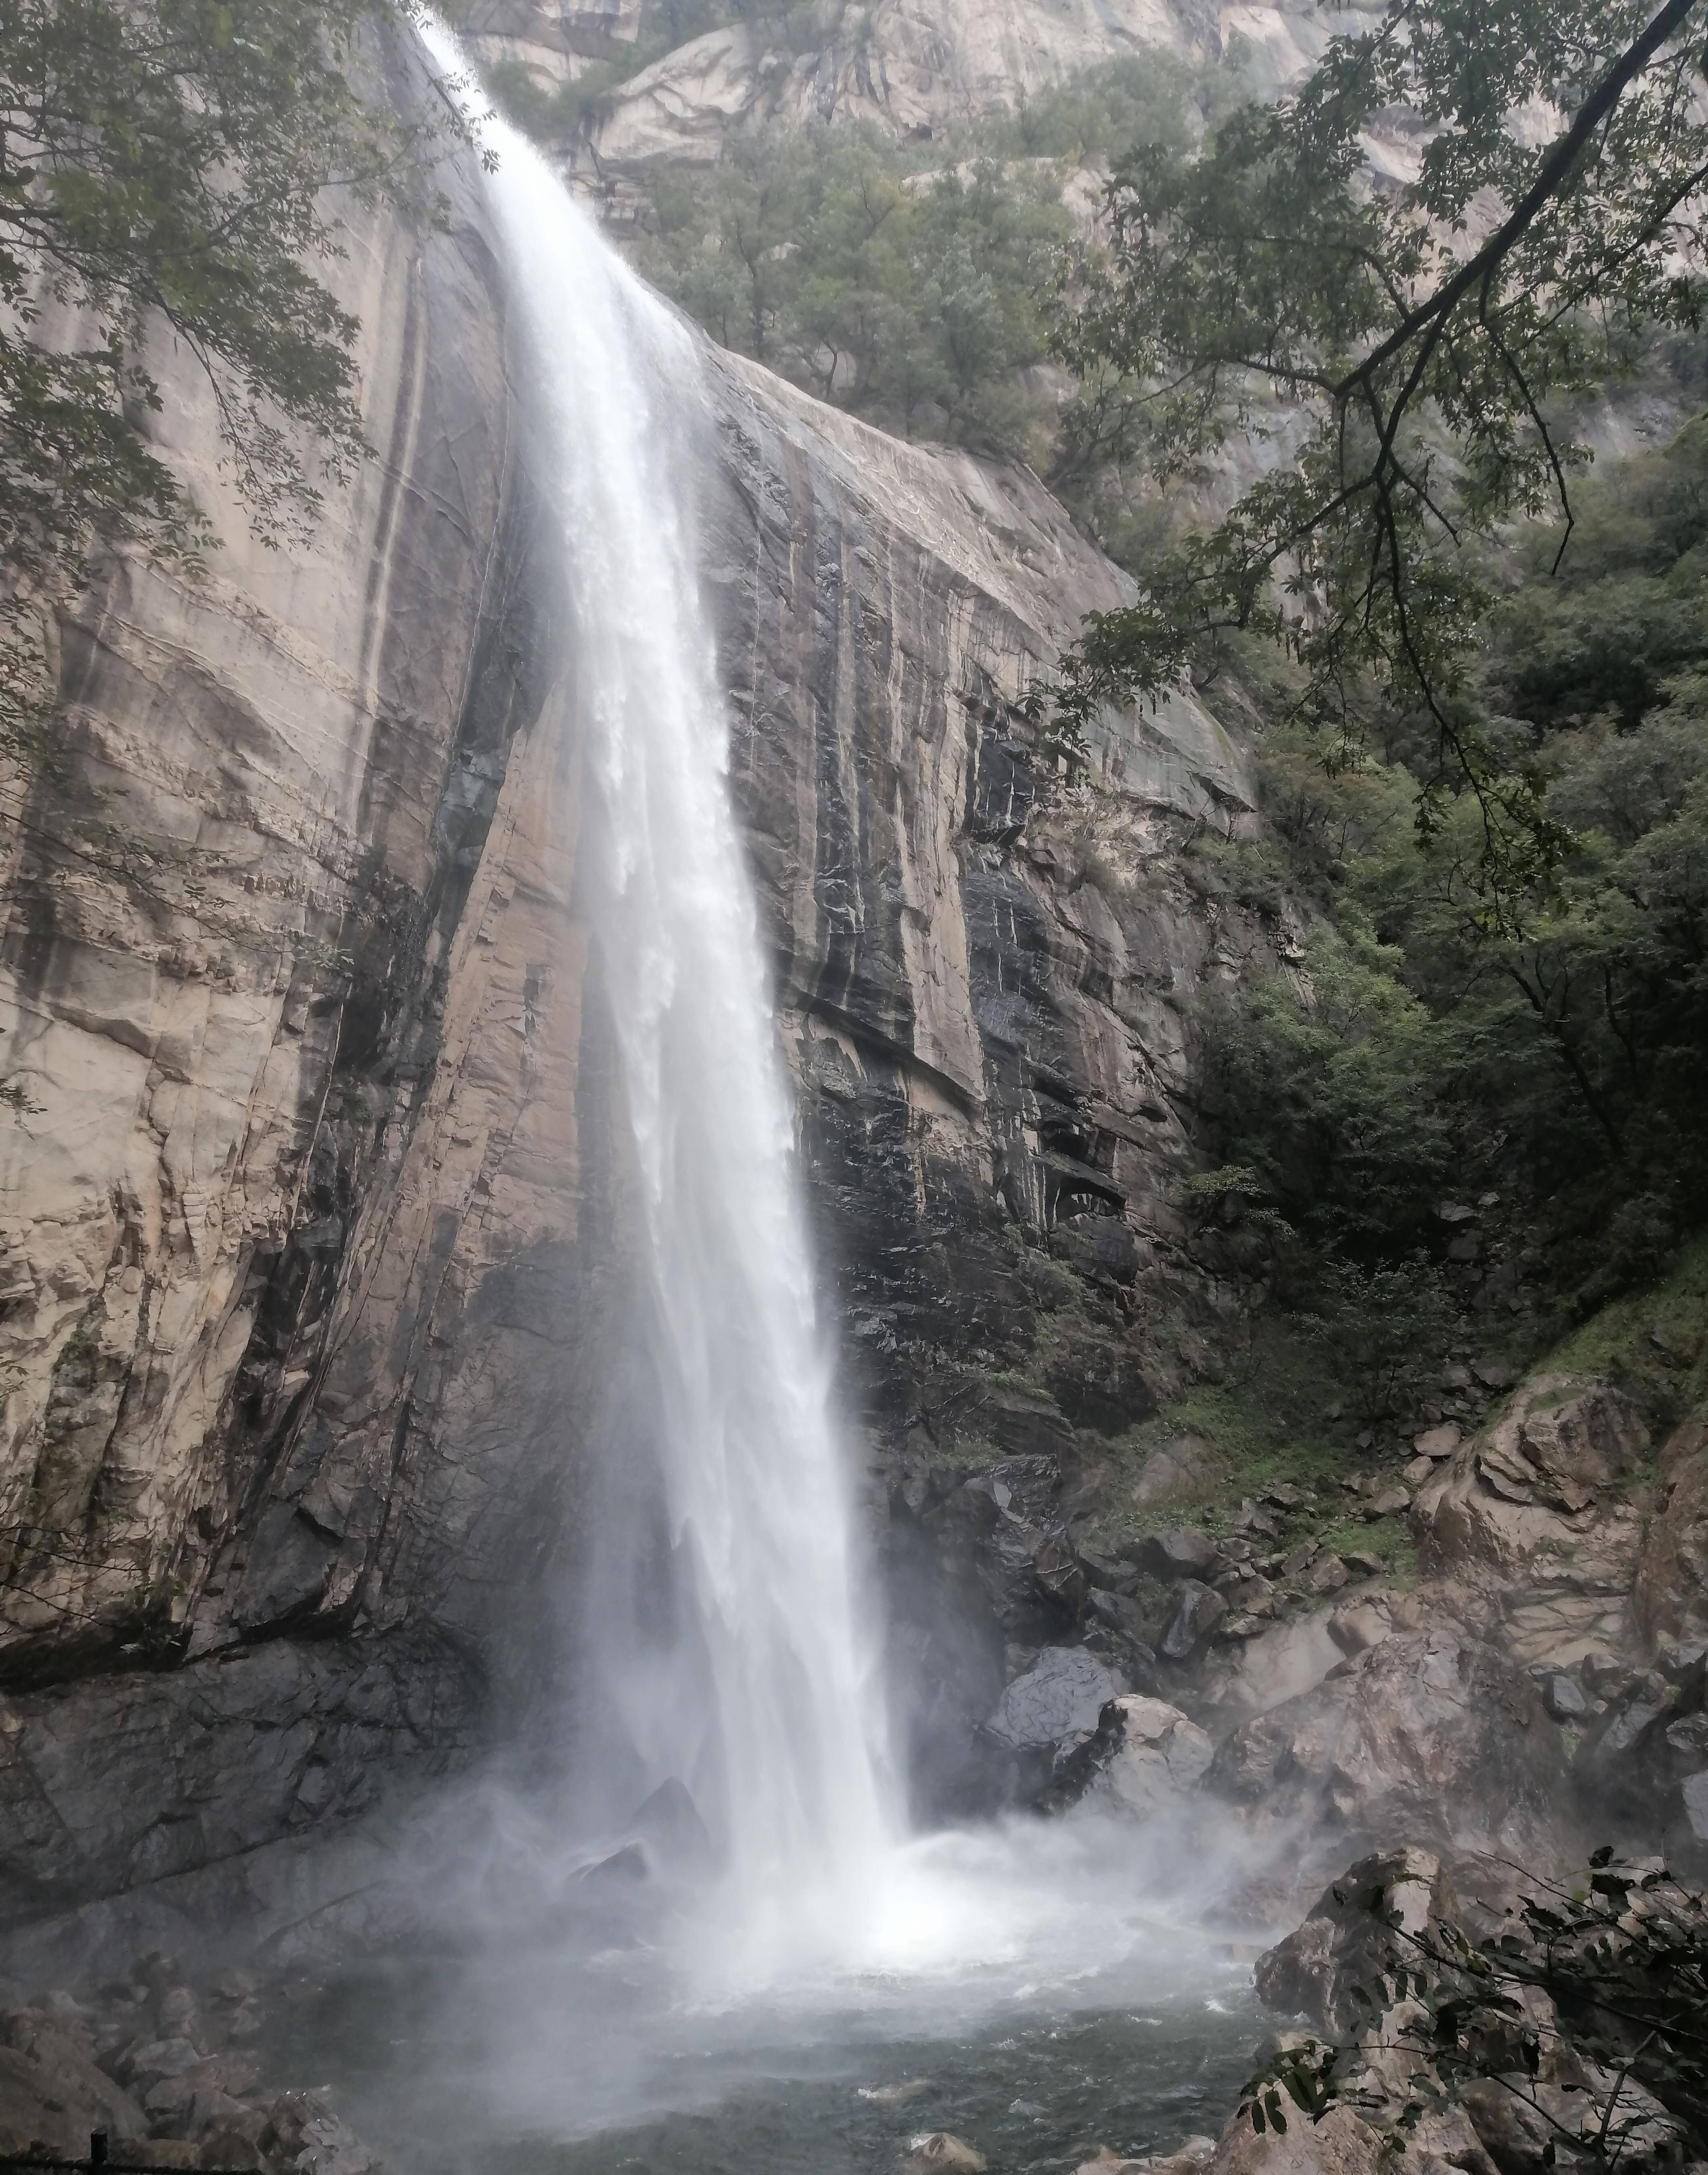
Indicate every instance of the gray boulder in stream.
{"type": "Point", "coordinates": [1055, 1705]}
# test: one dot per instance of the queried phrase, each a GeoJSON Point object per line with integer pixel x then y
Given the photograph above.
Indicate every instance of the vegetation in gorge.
{"type": "Point", "coordinates": [908, 282]}
{"type": "Point", "coordinates": [1420, 345]}
{"type": "Point", "coordinates": [1413, 1055]}
{"type": "Point", "coordinates": [170, 172]}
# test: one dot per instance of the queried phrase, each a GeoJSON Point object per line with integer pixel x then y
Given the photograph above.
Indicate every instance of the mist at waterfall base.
{"type": "Point", "coordinates": [723, 1900]}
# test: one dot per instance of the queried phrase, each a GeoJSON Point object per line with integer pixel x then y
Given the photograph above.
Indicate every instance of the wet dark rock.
{"type": "Point", "coordinates": [1563, 1698]}
{"type": "Point", "coordinates": [1099, 1246]}
{"type": "Point", "coordinates": [1615, 1764]}
{"type": "Point", "coordinates": [1118, 1611]}
{"type": "Point", "coordinates": [1684, 1662]}
{"type": "Point", "coordinates": [668, 1824]}
{"type": "Point", "coordinates": [1177, 1552]}
{"type": "Point", "coordinates": [627, 1868]}
{"type": "Point", "coordinates": [1057, 1701]}
{"type": "Point", "coordinates": [1109, 1573]}
{"type": "Point", "coordinates": [1198, 1609]}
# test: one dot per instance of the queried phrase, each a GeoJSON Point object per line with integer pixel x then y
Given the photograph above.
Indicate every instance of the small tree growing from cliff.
{"type": "Point", "coordinates": [1419, 318]}
{"type": "Point", "coordinates": [171, 174]}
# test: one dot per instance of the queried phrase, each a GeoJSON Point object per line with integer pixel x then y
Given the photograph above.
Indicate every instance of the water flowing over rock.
{"type": "Point", "coordinates": [315, 1266]}
{"type": "Point", "coordinates": [722, 1631]}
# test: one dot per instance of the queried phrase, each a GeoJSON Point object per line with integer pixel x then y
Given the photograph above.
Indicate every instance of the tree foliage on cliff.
{"type": "Point", "coordinates": [912, 297]}
{"type": "Point", "coordinates": [1401, 278]}
{"type": "Point", "coordinates": [171, 174]}
{"type": "Point", "coordinates": [1411, 1054]}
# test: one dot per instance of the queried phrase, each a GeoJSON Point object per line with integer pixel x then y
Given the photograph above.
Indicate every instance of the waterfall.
{"type": "Point", "coordinates": [746, 1679]}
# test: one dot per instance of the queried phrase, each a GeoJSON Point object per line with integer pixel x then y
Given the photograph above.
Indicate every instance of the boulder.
{"type": "Point", "coordinates": [1621, 1765]}
{"type": "Point", "coordinates": [1108, 1574]}
{"type": "Point", "coordinates": [1562, 1697]}
{"type": "Point", "coordinates": [1395, 1912]}
{"type": "Point", "coordinates": [1523, 1490]}
{"type": "Point", "coordinates": [1188, 2161]}
{"type": "Point", "coordinates": [1161, 1756]}
{"type": "Point", "coordinates": [1354, 1934]}
{"type": "Point", "coordinates": [1198, 1609]}
{"type": "Point", "coordinates": [1185, 1466]}
{"type": "Point", "coordinates": [1669, 1595]}
{"type": "Point", "coordinates": [1430, 1736]}
{"type": "Point", "coordinates": [1177, 1552]}
{"type": "Point", "coordinates": [1056, 1704]}
{"type": "Point", "coordinates": [1523, 2122]}
{"type": "Point", "coordinates": [1341, 2144]}
{"type": "Point", "coordinates": [52, 2094]}
{"type": "Point", "coordinates": [1358, 1626]}
{"type": "Point", "coordinates": [942, 2150]}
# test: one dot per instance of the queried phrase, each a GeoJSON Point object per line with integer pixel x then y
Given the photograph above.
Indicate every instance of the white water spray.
{"type": "Point", "coordinates": [765, 1706]}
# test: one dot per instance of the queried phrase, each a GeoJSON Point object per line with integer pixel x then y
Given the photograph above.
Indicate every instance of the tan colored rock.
{"type": "Point", "coordinates": [1669, 1597]}
{"type": "Point", "coordinates": [1163, 1755]}
{"type": "Point", "coordinates": [1191, 2157]}
{"type": "Point", "coordinates": [1527, 1494]}
{"type": "Point", "coordinates": [918, 66]}
{"type": "Point", "coordinates": [1356, 1626]}
{"type": "Point", "coordinates": [1429, 1737]}
{"type": "Point", "coordinates": [1339, 2144]}
{"type": "Point", "coordinates": [942, 2149]}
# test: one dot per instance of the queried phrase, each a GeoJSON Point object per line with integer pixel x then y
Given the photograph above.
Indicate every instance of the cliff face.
{"type": "Point", "coordinates": [312, 1238]}
{"type": "Point", "coordinates": [910, 68]}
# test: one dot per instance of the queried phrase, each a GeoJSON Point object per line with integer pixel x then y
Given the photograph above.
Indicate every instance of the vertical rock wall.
{"type": "Point", "coordinates": [312, 1236]}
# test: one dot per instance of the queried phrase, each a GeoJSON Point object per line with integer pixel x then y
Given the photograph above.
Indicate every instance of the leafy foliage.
{"type": "Point", "coordinates": [912, 298]}
{"type": "Point", "coordinates": [1406, 350]}
{"type": "Point", "coordinates": [1621, 1967]}
{"type": "Point", "coordinates": [911, 282]}
{"type": "Point", "coordinates": [1411, 1051]}
{"type": "Point", "coordinates": [171, 171]}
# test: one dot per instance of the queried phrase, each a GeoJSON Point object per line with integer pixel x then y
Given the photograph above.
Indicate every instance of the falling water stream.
{"type": "Point", "coordinates": [1039, 1978]}
{"type": "Point", "coordinates": [757, 1694]}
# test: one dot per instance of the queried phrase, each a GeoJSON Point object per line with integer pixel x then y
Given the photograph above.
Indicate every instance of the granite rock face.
{"type": "Point", "coordinates": [1431, 1735]}
{"type": "Point", "coordinates": [911, 69]}
{"type": "Point", "coordinates": [312, 1243]}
